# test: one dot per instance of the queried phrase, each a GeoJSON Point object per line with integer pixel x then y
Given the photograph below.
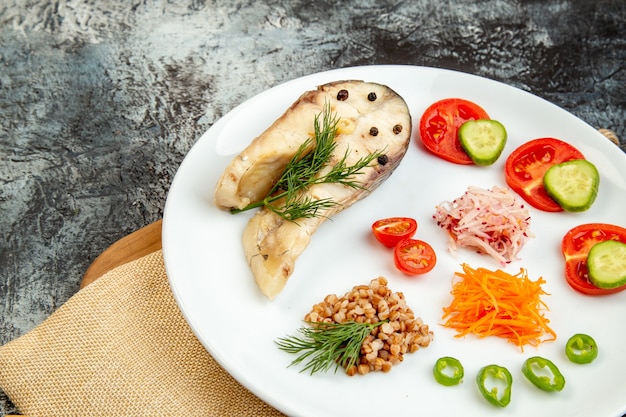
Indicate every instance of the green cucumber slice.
{"type": "Point", "coordinates": [572, 184]}
{"type": "Point", "coordinates": [607, 264]}
{"type": "Point", "coordinates": [482, 140]}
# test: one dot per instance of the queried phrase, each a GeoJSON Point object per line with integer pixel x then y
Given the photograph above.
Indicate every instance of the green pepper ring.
{"type": "Point", "coordinates": [491, 395]}
{"type": "Point", "coordinates": [555, 383]}
{"type": "Point", "coordinates": [444, 363]}
{"type": "Point", "coordinates": [581, 349]}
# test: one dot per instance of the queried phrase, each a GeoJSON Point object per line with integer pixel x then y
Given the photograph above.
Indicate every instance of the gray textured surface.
{"type": "Point", "coordinates": [100, 101]}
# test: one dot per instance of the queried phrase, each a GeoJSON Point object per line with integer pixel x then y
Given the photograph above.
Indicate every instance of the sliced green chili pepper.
{"type": "Point", "coordinates": [494, 383]}
{"type": "Point", "coordinates": [581, 348]}
{"type": "Point", "coordinates": [550, 379]}
{"type": "Point", "coordinates": [448, 371]}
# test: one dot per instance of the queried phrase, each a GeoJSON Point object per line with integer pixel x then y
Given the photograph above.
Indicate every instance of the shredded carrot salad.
{"type": "Point", "coordinates": [495, 303]}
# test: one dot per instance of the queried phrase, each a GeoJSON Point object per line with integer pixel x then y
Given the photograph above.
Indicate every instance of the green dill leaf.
{"type": "Point", "coordinates": [302, 207]}
{"type": "Point", "coordinates": [323, 346]}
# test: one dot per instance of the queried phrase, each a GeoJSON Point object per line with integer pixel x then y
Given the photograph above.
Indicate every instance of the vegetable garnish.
{"type": "Point", "coordinates": [448, 371]}
{"type": "Point", "coordinates": [572, 184]}
{"type": "Point", "coordinates": [483, 140]}
{"type": "Point", "coordinates": [576, 246]}
{"type": "Point", "coordinates": [495, 303]}
{"type": "Point", "coordinates": [414, 257]}
{"type": "Point", "coordinates": [581, 348]}
{"type": "Point", "coordinates": [392, 230]}
{"type": "Point", "coordinates": [607, 264]}
{"type": "Point", "coordinates": [327, 344]}
{"type": "Point", "coordinates": [492, 221]}
{"type": "Point", "coordinates": [543, 373]}
{"type": "Point", "coordinates": [305, 169]}
{"type": "Point", "coordinates": [495, 384]}
{"type": "Point", "coordinates": [527, 164]}
{"type": "Point", "coordinates": [439, 127]}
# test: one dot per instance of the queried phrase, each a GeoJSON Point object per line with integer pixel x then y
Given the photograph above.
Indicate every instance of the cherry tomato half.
{"type": "Point", "coordinates": [439, 127]}
{"type": "Point", "coordinates": [526, 166]}
{"type": "Point", "coordinates": [575, 247]}
{"type": "Point", "coordinates": [414, 257]}
{"type": "Point", "coordinates": [394, 229]}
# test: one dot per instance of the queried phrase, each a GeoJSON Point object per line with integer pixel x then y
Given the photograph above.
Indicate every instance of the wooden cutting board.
{"type": "Point", "coordinates": [139, 243]}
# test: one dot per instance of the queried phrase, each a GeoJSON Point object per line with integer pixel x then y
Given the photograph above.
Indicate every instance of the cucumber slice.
{"type": "Point", "coordinates": [482, 140]}
{"type": "Point", "coordinates": [572, 184]}
{"type": "Point", "coordinates": [607, 264]}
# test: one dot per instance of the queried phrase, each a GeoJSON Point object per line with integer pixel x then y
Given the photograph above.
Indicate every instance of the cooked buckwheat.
{"type": "Point", "coordinates": [387, 343]}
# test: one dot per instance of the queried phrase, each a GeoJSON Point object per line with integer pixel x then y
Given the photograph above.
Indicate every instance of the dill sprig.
{"type": "Point", "coordinates": [286, 198]}
{"type": "Point", "coordinates": [328, 344]}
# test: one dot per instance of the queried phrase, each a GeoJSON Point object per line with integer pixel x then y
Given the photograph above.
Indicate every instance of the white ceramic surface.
{"type": "Point", "coordinates": [217, 294]}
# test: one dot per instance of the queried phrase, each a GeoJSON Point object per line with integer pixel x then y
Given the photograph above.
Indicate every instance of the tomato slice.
{"type": "Point", "coordinates": [575, 247]}
{"type": "Point", "coordinates": [526, 166]}
{"type": "Point", "coordinates": [392, 230]}
{"type": "Point", "coordinates": [414, 257]}
{"type": "Point", "coordinates": [439, 127]}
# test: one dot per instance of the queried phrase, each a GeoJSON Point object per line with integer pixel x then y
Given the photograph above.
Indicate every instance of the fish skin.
{"type": "Point", "coordinates": [273, 244]}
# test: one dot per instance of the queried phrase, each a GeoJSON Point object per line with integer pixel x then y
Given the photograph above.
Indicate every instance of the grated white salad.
{"type": "Point", "coordinates": [494, 222]}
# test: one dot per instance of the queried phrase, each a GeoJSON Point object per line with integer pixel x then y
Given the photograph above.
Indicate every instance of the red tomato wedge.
{"type": "Point", "coordinates": [392, 230]}
{"type": "Point", "coordinates": [575, 247]}
{"type": "Point", "coordinates": [439, 127]}
{"type": "Point", "coordinates": [526, 166]}
{"type": "Point", "coordinates": [414, 257]}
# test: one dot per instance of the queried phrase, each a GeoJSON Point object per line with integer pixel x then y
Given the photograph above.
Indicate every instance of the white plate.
{"type": "Point", "coordinates": [217, 294]}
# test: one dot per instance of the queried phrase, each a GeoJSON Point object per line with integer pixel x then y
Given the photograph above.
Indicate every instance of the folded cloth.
{"type": "Point", "coordinates": [121, 347]}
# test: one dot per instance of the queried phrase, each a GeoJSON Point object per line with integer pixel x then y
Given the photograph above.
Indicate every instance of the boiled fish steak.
{"type": "Point", "coordinates": [372, 118]}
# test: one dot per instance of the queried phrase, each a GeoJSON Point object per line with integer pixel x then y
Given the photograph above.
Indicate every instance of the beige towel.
{"type": "Point", "coordinates": [121, 347]}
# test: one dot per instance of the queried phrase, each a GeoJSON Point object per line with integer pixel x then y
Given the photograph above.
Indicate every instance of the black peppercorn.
{"type": "Point", "coordinates": [383, 159]}
{"type": "Point", "coordinates": [397, 129]}
{"type": "Point", "coordinates": [342, 95]}
{"type": "Point", "coordinates": [371, 96]}
{"type": "Point", "coordinates": [374, 131]}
